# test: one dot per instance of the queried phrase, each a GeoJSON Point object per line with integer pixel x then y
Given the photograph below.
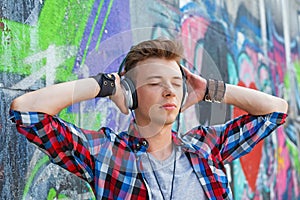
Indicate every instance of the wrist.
{"type": "Point", "coordinates": [215, 91]}
{"type": "Point", "coordinates": [106, 83]}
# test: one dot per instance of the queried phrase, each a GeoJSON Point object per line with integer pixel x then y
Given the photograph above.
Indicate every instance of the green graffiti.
{"type": "Point", "coordinates": [45, 160]}
{"type": "Point", "coordinates": [294, 153]}
{"type": "Point", "coordinates": [55, 20]}
{"type": "Point", "coordinates": [287, 78]}
{"type": "Point", "coordinates": [58, 18]}
{"type": "Point", "coordinates": [104, 23]}
{"type": "Point", "coordinates": [14, 47]}
{"type": "Point", "coordinates": [68, 116]}
{"type": "Point", "coordinates": [90, 120]}
{"type": "Point", "coordinates": [94, 25]}
{"type": "Point", "coordinates": [92, 31]}
{"type": "Point", "coordinates": [52, 194]}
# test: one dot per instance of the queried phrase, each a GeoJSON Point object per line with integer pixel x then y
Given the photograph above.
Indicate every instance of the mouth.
{"type": "Point", "coordinates": [169, 106]}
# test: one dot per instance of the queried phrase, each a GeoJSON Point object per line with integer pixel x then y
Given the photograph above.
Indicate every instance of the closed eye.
{"type": "Point", "coordinates": [177, 84]}
{"type": "Point", "coordinates": [154, 83]}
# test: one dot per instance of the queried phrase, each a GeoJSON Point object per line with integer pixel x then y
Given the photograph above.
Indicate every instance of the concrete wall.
{"type": "Point", "coordinates": [250, 43]}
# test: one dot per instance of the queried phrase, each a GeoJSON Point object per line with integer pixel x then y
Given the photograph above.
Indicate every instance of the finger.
{"type": "Point", "coordinates": [122, 73]}
{"type": "Point", "coordinates": [125, 111]}
{"type": "Point", "coordinates": [117, 77]}
{"type": "Point", "coordinates": [185, 70]}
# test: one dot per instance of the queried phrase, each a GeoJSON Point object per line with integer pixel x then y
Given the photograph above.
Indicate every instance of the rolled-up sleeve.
{"type": "Point", "coordinates": [63, 142]}
{"type": "Point", "coordinates": [240, 135]}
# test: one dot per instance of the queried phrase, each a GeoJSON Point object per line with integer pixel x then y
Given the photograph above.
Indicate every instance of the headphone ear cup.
{"type": "Point", "coordinates": [130, 93]}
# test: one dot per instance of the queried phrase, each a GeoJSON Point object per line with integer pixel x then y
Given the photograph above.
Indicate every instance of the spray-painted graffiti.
{"type": "Point", "coordinates": [53, 44]}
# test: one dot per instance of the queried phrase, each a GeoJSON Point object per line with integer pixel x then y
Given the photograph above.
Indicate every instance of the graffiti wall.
{"type": "Point", "coordinates": [44, 42]}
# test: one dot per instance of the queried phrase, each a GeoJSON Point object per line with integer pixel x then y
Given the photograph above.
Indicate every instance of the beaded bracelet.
{"type": "Point", "coordinates": [215, 91]}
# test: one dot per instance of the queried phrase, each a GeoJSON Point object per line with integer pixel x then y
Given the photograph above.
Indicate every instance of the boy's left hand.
{"type": "Point", "coordinates": [196, 88]}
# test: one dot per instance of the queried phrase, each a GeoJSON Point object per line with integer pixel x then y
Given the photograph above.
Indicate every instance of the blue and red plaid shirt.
{"type": "Point", "coordinates": [111, 162]}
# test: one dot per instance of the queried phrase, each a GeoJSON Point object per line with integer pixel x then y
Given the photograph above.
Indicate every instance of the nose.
{"type": "Point", "coordinates": [168, 90]}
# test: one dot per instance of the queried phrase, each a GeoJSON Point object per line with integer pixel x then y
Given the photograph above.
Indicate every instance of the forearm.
{"type": "Point", "coordinates": [53, 99]}
{"type": "Point", "coordinates": [253, 101]}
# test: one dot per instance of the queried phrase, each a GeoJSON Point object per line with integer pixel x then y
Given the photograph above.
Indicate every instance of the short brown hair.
{"type": "Point", "coordinates": [157, 48]}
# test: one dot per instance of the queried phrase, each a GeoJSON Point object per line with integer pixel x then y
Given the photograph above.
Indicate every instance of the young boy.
{"type": "Point", "coordinates": [149, 161]}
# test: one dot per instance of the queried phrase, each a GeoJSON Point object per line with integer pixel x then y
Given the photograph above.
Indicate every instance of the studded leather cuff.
{"type": "Point", "coordinates": [106, 83]}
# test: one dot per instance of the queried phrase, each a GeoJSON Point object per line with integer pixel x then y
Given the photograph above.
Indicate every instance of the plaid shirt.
{"type": "Point", "coordinates": [111, 162]}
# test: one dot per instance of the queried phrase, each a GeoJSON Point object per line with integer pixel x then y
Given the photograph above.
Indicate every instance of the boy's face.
{"type": "Point", "coordinates": [159, 89]}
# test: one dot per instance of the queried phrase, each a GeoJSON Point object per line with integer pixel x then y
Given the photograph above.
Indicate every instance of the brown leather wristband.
{"type": "Point", "coordinates": [215, 91]}
{"type": "Point", "coordinates": [220, 92]}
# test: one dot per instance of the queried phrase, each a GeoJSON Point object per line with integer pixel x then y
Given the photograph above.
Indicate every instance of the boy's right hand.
{"type": "Point", "coordinates": [118, 98]}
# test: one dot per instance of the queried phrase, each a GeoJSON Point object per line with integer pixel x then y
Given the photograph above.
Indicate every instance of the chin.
{"type": "Point", "coordinates": [163, 119]}
{"type": "Point", "coordinates": [169, 121]}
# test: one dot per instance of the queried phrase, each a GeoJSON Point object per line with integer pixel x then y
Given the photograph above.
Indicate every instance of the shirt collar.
{"type": "Point", "coordinates": [135, 141]}
{"type": "Point", "coordinates": [140, 145]}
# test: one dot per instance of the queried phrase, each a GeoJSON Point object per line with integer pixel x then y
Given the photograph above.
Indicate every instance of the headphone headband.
{"type": "Point", "coordinates": [121, 65]}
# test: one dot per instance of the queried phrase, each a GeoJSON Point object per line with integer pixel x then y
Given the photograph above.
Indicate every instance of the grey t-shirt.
{"type": "Point", "coordinates": [186, 184]}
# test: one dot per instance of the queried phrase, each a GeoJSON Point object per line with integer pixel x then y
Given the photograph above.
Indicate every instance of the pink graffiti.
{"type": "Point", "coordinates": [253, 56]}
{"type": "Point", "coordinates": [283, 165]}
{"type": "Point", "coordinates": [249, 62]}
{"type": "Point", "coordinates": [193, 29]}
{"type": "Point", "coordinates": [246, 72]}
{"type": "Point", "coordinates": [277, 55]}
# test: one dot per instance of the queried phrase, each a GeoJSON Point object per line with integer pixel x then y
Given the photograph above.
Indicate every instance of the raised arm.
{"type": "Point", "coordinates": [252, 101]}
{"type": "Point", "coordinates": [54, 98]}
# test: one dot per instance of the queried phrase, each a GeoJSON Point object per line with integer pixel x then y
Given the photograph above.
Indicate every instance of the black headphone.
{"type": "Point", "coordinates": [130, 89]}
